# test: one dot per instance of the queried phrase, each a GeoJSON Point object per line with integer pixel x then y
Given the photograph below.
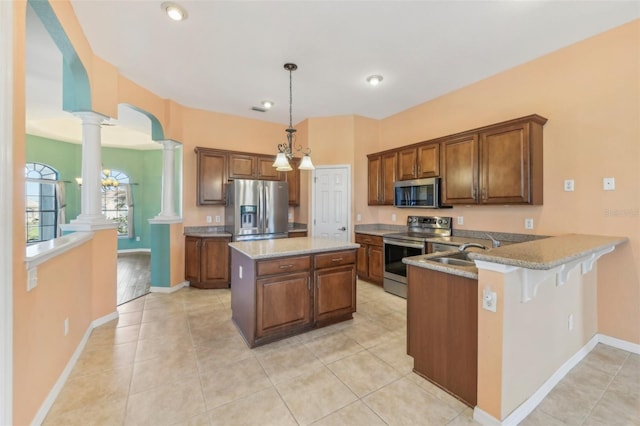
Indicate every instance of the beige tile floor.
{"type": "Point", "coordinates": [177, 359]}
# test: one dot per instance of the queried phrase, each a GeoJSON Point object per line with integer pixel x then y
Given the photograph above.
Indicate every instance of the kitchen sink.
{"type": "Point", "coordinates": [449, 260]}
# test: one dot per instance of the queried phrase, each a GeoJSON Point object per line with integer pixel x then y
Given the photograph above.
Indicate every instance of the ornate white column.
{"type": "Point", "coordinates": [168, 213]}
{"type": "Point", "coordinates": [91, 216]}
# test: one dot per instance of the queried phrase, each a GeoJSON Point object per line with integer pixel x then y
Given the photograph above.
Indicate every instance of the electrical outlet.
{"type": "Point", "coordinates": [138, 238]}
{"type": "Point", "coordinates": [290, 216]}
{"type": "Point", "coordinates": [240, 271]}
{"type": "Point", "coordinates": [489, 299]}
{"type": "Point", "coordinates": [32, 278]}
{"type": "Point", "coordinates": [66, 326]}
{"type": "Point", "coordinates": [609, 184]}
{"type": "Point", "coordinates": [528, 223]}
{"type": "Point", "coordinates": [568, 185]}
{"type": "Point", "coordinates": [393, 217]}
{"type": "Point", "coordinates": [570, 322]}
{"type": "Point", "coordinates": [358, 217]}
{"type": "Point", "coordinates": [208, 219]}
{"type": "Point", "coordinates": [460, 220]}
{"type": "Point", "coordinates": [217, 219]}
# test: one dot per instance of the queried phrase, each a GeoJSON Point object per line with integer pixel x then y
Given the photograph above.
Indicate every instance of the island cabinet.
{"type": "Point", "coordinates": [279, 297]}
{"type": "Point", "coordinates": [207, 261]}
{"type": "Point", "coordinates": [498, 164]}
{"type": "Point", "coordinates": [382, 176]}
{"type": "Point", "coordinates": [442, 330]}
{"type": "Point", "coordinates": [369, 258]}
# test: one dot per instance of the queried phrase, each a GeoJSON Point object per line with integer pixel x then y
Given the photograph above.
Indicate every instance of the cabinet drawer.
{"type": "Point", "coordinates": [373, 240]}
{"type": "Point", "coordinates": [285, 265]}
{"type": "Point", "coordinates": [336, 258]}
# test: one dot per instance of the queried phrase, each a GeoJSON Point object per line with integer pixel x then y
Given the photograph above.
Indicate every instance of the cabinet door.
{"type": "Point", "coordinates": [266, 171]}
{"type": "Point", "coordinates": [504, 165]}
{"type": "Point", "coordinates": [293, 180]}
{"type": "Point", "coordinates": [192, 259]}
{"type": "Point", "coordinates": [460, 170]}
{"type": "Point", "coordinates": [376, 267]}
{"type": "Point", "coordinates": [407, 164]}
{"type": "Point", "coordinates": [362, 261]}
{"type": "Point", "coordinates": [242, 166]}
{"type": "Point", "coordinates": [214, 271]}
{"type": "Point", "coordinates": [428, 160]}
{"type": "Point", "coordinates": [212, 176]}
{"type": "Point", "coordinates": [283, 303]}
{"type": "Point", "coordinates": [335, 292]}
{"type": "Point", "coordinates": [375, 180]}
{"type": "Point", "coordinates": [388, 172]}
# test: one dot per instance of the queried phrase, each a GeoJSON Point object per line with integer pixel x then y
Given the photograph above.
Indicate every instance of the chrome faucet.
{"type": "Point", "coordinates": [464, 246]}
{"type": "Point", "coordinates": [494, 243]}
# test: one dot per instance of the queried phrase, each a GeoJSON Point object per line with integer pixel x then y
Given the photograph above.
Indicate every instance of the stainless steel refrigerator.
{"type": "Point", "coordinates": [257, 209]}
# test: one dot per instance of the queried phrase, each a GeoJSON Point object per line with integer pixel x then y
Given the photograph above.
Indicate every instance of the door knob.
{"type": "Point", "coordinates": [344, 228]}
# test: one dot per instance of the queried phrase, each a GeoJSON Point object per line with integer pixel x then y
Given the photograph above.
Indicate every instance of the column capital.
{"type": "Point", "coordinates": [90, 117]}
{"type": "Point", "coordinates": [169, 144]}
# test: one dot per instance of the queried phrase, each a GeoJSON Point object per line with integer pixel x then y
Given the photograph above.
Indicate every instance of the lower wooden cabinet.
{"type": "Point", "coordinates": [442, 330]}
{"type": "Point", "coordinates": [297, 234]}
{"type": "Point", "coordinates": [207, 261]}
{"type": "Point", "coordinates": [369, 263]}
{"type": "Point", "coordinates": [275, 298]}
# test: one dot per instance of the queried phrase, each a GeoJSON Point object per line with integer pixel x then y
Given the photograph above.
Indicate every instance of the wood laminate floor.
{"type": "Point", "coordinates": [134, 276]}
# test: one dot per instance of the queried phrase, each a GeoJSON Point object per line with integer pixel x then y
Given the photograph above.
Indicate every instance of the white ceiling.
{"type": "Point", "coordinates": [229, 55]}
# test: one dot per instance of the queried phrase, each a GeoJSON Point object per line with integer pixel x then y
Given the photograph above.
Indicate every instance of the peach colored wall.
{"type": "Point", "coordinates": [590, 93]}
{"type": "Point", "coordinates": [366, 134]}
{"type": "Point", "coordinates": [104, 272]}
{"type": "Point", "coordinates": [41, 350]}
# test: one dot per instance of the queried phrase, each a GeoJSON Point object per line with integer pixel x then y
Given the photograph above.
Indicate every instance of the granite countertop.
{"type": "Point", "coordinates": [266, 249]}
{"type": "Point", "coordinates": [540, 254]}
{"type": "Point", "coordinates": [379, 230]}
{"type": "Point", "coordinates": [549, 252]}
{"type": "Point", "coordinates": [456, 241]}
{"type": "Point", "coordinates": [205, 234]}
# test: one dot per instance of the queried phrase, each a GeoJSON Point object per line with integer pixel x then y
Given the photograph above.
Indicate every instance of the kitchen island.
{"type": "Point", "coordinates": [536, 315]}
{"type": "Point", "coordinates": [284, 287]}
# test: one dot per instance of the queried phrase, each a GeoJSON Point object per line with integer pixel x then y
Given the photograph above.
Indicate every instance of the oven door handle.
{"type": "Point", "coordinates": [402, 243]}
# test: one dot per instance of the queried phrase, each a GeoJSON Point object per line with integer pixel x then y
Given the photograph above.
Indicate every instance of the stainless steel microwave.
{"type": "Point", "coordinates": [417, 193]}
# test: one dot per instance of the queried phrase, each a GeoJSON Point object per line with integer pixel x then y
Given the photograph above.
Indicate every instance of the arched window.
{"type": "Point", "coordinates": [117, 200]}
{"type": "Point", "coordinates": [42, 193]}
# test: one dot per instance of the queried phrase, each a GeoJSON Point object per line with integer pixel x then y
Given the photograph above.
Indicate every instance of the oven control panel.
{"type": "Point", "coordinates": [429, 222]}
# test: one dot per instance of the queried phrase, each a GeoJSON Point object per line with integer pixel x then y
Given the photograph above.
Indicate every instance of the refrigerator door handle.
{"type": "Point", "coordinates": [266, 207]}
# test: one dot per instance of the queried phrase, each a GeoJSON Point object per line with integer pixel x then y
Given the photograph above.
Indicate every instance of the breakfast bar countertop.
{"type": "Point", "coordinates": [265, 249]}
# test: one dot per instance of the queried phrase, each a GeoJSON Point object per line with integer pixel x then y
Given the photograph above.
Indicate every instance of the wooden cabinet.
{"type": "Point", "coordinates": [442, 330]}
{"type": "Point", "coordinates": [211, 176]}
{"type": "Point", "coordinates": [297, 234]}
{"type": "Point", "coordinates": [382, 176]}
{"type": "Point", "coordinates": [293, 180]}
{"type": "Point", "coordinates": [420, 161]}
{"type": "Point", "coordinates": [207, 261]}
{"type": "Point", "coordinates": [369, 264]}
{"type": "Point", "coordinates": [275, 298]}
{"type": "Point", "coordinates": [335, 286]}
{"type": "Point", "coordinates": [251, 166]}
{"type": "Point", "coordinates": [499, 164]}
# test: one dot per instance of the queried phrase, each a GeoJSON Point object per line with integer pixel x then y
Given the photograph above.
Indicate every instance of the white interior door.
{"type": "Point", "coordinates": [332, 202]}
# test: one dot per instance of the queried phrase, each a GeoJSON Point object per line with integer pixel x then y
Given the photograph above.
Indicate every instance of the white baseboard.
{"type": "Point", "coordinates": [57, 387]}
{"type": "Point", "coordinates": [619, 343]}
{"type": "Point", "coordinates": [520, 413]}
{"type": "Point", "coordinates": [169, 289]}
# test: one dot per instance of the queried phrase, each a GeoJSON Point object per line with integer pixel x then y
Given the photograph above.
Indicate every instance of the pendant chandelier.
{"type": "Point", "coordinates": [286, 151]}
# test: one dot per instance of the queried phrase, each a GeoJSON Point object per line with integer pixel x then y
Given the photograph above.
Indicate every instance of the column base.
{"type": "Point", "coordinates": [89, 223]}
{"type": "Point", "coordinates": [165, 219]}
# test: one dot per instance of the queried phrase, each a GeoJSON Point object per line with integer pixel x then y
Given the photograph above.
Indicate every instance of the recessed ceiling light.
{"type": "Point", "coordinates": [174, 11]}
{"type": "Point", "coordinates": [374, 80]}
{"type": "Point", "coordinates": [267, 104]}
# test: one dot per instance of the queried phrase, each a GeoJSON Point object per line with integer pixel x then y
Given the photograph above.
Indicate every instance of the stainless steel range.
{"type": "Point", "coordinates": [413, 242]}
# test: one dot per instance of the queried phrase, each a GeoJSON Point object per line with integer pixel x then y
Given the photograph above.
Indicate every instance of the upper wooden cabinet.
{"type": "Point", "coordinates": [293, 179]}
{"type": "Point", "coordinates": [420, 161]}
{"type": "Point", "coordinates": [382, 176]}
{"type": "Point", "coordinates": [251, 166]}
{"type": "Point", "coordinates": [212, 176]}
{"type": "Point", "coordinates": [499, 164]}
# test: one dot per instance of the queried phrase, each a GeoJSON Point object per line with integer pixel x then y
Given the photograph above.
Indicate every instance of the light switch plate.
{"type": "Point", "coordinates": [568, 185]}
{"type": "Point", "coordinates": [460, 220]}
{"type": "Point", "coordinates": [489, 300]}
{"type": "Point", "coordinates": [609, 184]}
{"type": "Point", "coordinates": [528, 223]}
